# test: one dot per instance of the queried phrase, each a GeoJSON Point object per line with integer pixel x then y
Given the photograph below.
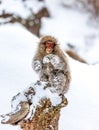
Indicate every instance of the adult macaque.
{"type": "Point", "coordinates": [52, 65]}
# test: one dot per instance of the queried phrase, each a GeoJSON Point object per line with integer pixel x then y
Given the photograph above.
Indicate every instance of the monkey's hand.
{"type": "Point", "coordinates": [56, 62]}
{"type": "Point", "coordinates": [50, 58]}
{"type": "Point", "coordinates": [47, 58]}
{"type": "Point", "coordinates": [58, 81]}
{"type": "Point", "coordinates": [37, 65]}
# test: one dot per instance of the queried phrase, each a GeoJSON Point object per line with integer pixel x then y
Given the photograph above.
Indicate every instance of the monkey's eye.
{"type": "Point", "coordinates": [49, 44]}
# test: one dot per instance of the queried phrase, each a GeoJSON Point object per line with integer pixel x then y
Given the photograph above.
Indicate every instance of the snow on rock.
{"type": "Point", "coordinates": [41, 93]}
{"type": "Point", "coordinates": [21, 8]}
{"type": "Point", "coordinates": [20, 97]}
{"type": "Point", "coordinates": [5, 118]}
{"type": "Point", "coordinates": [33, 94]}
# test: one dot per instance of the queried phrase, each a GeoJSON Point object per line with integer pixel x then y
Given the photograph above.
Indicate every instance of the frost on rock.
{"type": "Point", "coordinates": [42, 93]}
{"type": "Point", "coordinates": [5, 118]}
{"type": "Point", "coordinates": [26, 103]}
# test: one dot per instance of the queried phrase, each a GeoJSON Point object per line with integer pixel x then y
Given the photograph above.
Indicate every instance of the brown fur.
{"type": "Point", "coordinates": [75, 56]}
{"type": "Point", "coordinates": [58, 52]}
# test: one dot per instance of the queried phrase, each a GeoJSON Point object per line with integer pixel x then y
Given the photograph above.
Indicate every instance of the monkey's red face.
{"type": "Point", "coordinates": [49, 46]}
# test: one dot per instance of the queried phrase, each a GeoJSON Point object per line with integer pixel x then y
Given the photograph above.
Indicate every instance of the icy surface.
{"type": "Point", "coordinates": [34, 98]}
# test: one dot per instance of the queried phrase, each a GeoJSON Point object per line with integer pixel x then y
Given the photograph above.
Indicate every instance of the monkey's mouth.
{"type": "Point", "coordinates": [49, 50]}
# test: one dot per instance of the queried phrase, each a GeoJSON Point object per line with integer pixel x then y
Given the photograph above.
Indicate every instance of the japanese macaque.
{"type": "Point", "coordinates": [52, 65]}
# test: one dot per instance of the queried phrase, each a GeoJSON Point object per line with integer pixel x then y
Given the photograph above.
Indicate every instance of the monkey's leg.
{"type": "Point", "coordinates": [44, 77]}
{"type": "Point", "coordinates": [58, 81]}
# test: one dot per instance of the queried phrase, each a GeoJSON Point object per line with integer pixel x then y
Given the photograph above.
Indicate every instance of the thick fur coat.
{"type": "Point", "coordinates": [54, 67]}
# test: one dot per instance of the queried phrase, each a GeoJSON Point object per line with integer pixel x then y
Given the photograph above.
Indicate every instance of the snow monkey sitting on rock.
{"type": "Point", "coordinates": [52, 65]}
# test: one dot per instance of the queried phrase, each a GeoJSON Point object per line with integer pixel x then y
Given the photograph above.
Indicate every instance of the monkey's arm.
{"type": "Point", "coordinates": [58, 82]}
{"type": "Point", "coordinates": [55, 60]}
{"type": "Point", "coordinates": [37, 65]}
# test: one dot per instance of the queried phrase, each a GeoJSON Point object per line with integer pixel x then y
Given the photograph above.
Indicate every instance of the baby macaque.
{"type": "Point", "coordinates": [52, 65]}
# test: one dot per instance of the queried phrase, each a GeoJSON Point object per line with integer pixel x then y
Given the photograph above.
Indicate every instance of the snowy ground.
{"type": "Point", "coordinates": [17, 47]}
{"type": "Point", "coordinates": [16, 52]}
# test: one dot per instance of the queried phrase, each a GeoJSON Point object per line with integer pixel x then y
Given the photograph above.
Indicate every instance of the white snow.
{"type": "Point", "coordinates": [16, 7]}
{"type": "Point", "coordinates": [17, 49]}
{"type": "Point", "coordinates": [20, 8]}
{"type": "Point", "coordinates": [6, 118]}
{"type": "Point", "coordinates": [72, 26]}
{"type": "Point", "coordinates": [83, 109]}
{"type": "Point", "coordinates": [20, 97]}
{"type": "Point", "coordinates": [40, 93]}
{"type": "Point", "coordinates": [16, 52]}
